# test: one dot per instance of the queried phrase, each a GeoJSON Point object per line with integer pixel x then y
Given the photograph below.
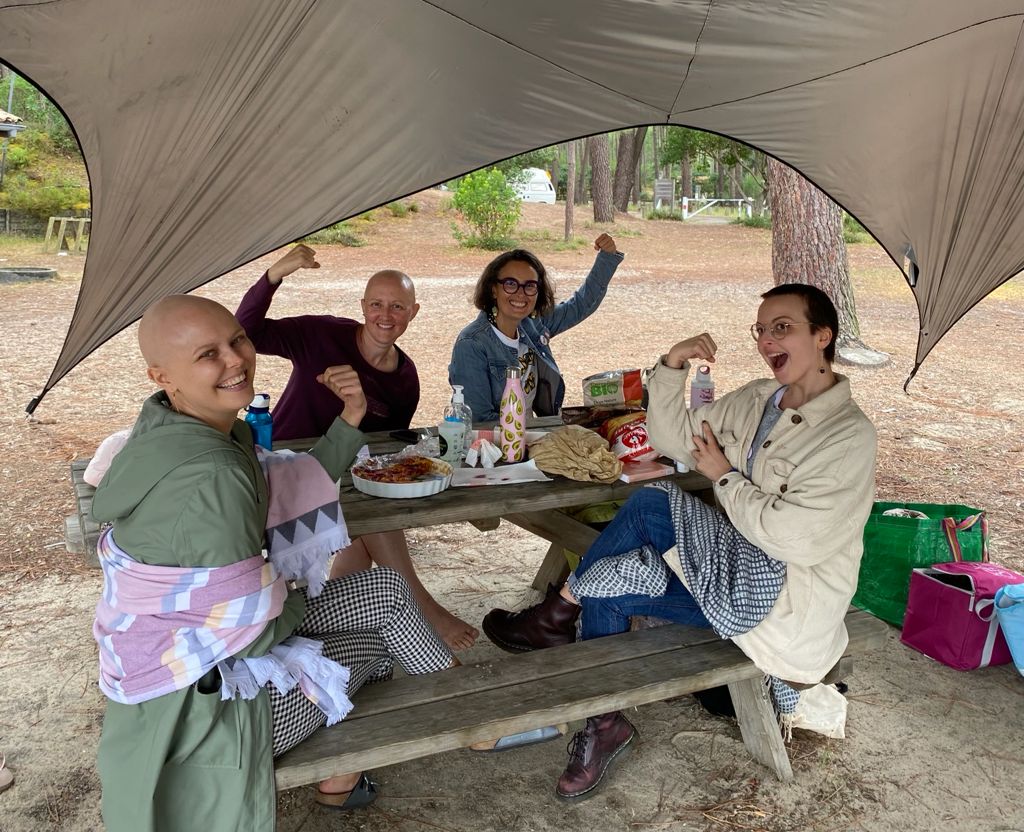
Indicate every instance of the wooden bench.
{"type": "Point", "coordinates": [81, 532]}
{"type": "Point", "coordinates": [411, 717]}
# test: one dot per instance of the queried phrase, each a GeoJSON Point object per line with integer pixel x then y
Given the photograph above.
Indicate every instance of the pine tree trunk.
{"type": "Point", "coordinates": [687, 177]}
{"type": "Point", "coordinates": [583, 152]}
{"type": "Point", "coordinates": [570, 188]}
{"type": "Point", "coordinates": [601, 179]}
{"type": "Point", "coordinates": [720, 177]}
{"type": "Point", "coordinates": [735, 182]}
{"type": "Point", "coordinates": [555, 172]}
{"type": "Point", "coordinates": [808, 247]}
{"type": "Point", "coordinates": [631, 143]}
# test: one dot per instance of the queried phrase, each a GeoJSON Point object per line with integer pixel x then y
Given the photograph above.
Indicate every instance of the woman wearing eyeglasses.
{"type": "Point", "coordinates": [518, 318]}
{"type": "Point", "coordinates": [792, 461]}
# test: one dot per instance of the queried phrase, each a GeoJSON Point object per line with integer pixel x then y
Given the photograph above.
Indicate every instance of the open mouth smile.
{"type": "Point", "coordinates": [234, 383]}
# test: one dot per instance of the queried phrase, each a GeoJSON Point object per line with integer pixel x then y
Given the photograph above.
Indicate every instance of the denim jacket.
{"type": "Point", "coordinates": [479, 358]}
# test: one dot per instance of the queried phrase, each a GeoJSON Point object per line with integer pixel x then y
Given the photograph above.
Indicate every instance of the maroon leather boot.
{"type": "Point", "coordinates": [591, 752]}
{"type": "Point", "coordinates": [548, 624]}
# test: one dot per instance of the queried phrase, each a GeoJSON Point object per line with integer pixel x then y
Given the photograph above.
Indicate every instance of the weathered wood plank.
{"type": "Point", "coordinates": [556, 527]}
{"type": "Point", "coordinates": [553, 569]}
{"type": "Point", "coordinates": [73, 540]}
{"type": "Point", "coordinates": [759, 726]}
{"type": "Point", "coordinates": [421, 730]}
{"type": "Point", "coordinates": [597, 654]}
{"type": "Point", "coordinates": [417, 716]}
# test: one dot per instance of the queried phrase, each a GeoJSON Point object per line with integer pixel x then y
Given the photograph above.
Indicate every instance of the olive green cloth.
{"type": "Point", "coordinates": [181, 493]}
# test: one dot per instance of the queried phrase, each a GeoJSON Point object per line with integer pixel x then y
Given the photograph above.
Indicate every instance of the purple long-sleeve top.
{"type": "Point", "coordinates": [313, 343]}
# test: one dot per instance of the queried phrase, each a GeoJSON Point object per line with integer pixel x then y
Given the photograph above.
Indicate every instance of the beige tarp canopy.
{"type": "Point", "coordinates": [217, 131]}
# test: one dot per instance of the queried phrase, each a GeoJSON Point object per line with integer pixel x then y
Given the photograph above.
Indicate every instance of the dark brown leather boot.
{"type": "Point", "coordinates": [548, 624]}
{"type": "Point", "coordinates": [592, 751]}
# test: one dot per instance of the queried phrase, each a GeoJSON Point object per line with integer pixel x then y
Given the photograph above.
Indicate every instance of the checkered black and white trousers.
{"type": "Point", "coordinates": [367, 621]}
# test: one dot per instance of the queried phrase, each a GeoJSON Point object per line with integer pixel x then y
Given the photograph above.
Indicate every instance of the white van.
{"type": "Point", "coordinates": [536, 186]}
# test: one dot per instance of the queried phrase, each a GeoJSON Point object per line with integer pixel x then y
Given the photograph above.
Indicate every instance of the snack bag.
{"type": "Point", "coordinates": [614, 387]}
{"type": "Point", "coordinates": [627, 437]}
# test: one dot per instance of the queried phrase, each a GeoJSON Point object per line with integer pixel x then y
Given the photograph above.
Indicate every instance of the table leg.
{"type": "Point", "coordinates": [554, 569]}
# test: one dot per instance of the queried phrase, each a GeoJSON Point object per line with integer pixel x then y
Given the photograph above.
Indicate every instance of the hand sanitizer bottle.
{"type": "Point", "coordinates": [452, 428]}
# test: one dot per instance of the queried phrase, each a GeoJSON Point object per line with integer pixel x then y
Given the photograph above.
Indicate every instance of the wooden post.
{"type": "Point", "coordinates": [49, 233]}
{"type": "Point", "coordinates": [759, 726]}
{"type": "Point", "coordinates": [78, 233]}
{"type": "Point", "coordinates": [61, 232]}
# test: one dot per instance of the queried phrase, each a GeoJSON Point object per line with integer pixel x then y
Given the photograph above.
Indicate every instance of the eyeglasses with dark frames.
{"type": "Point", "coordinates": [511, 286]}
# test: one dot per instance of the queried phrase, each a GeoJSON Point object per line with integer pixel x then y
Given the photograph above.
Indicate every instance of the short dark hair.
{"type": "Point", "coordinates": [821, 312]}
{"type": "Point", "coordinates": [483, 294]}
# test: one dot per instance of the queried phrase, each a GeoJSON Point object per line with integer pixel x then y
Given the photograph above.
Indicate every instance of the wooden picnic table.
{"type": "Point", "coordinates": [539, 507]}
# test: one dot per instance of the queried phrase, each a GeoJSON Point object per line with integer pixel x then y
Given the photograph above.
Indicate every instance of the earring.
{"type": "Point", "coordinates": [533, 314]}
{"type": "Point", "coordinates": [821, 369]}
{"type": "Point", "coordinates": [493, 314]}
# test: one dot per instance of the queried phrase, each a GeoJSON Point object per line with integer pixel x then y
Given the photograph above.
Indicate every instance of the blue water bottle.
{"type": "Point", "coordinates": [258, 418]}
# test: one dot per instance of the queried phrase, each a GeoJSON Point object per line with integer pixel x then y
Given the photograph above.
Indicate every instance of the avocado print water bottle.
{"type": "Point", "coordinates": [512, 418]}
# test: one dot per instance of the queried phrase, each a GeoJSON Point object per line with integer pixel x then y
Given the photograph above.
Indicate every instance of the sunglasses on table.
{"type": "Point", "coordinates": [776, 331]}
{"type": "Point", "coordinates": [511, 286]}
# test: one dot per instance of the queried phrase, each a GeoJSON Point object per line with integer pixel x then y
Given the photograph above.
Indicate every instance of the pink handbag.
{"type": "Point", "coordinates": [951, 612]}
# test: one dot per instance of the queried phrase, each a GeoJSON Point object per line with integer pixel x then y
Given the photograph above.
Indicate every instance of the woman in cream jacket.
{"type": "Point", "coordinates": [792, 460]}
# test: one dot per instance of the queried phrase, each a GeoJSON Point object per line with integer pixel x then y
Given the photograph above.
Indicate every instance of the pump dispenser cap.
{"type": "Point", "coordinates": [457, 396]}
{"type": "Point", "coordinates": [511, 372]}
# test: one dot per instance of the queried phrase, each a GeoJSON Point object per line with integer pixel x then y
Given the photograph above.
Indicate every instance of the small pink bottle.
{"type": "Point", "coordinates": [702, 388]}
{"type": "Point", "coordinates": [512, 418]}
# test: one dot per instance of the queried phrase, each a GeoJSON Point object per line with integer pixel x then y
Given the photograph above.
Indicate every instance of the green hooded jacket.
{"type": "Point", "coordinates": [182, 493]}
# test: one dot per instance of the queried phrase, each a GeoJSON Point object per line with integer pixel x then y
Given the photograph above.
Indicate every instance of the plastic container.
{"type": "Point", "coordinates": [259, 420]}
{"type": "Point", "coordinates": [512, 418]}
{"type": "Point", "coordinates": [702, 388]}
{"type": "Point", "coordinates": [454, 428]}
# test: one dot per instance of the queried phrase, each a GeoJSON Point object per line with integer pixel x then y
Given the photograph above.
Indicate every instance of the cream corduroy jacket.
{"type": "Point", "coordinates": [806, 503]}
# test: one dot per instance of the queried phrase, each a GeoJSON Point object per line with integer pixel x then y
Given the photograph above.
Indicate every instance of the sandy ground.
{"type": "Point", "coordinates": [927, 747]}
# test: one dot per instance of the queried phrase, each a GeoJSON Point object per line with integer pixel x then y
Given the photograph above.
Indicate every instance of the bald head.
{"type": "Point", "coordinates": [390, 279]}
{"type": "Point", "coordinates": [169, 324]}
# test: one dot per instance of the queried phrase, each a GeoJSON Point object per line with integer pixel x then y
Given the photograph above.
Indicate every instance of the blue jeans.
{"type": "Point", "coordinates": [643, 520]}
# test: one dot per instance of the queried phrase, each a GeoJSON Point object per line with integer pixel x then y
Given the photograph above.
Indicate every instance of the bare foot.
{"type": "Point", "coordinates": [455, 632]}
{"type": "Point", "coordinates": [341, 784]}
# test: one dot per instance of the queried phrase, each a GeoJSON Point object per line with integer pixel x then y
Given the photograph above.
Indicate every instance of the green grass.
{"type": "Point", "coordinates": [575, 244]}
{"type": "Point", "coordinates": [401, 208]}
{"type": "Point", "coordinates": [341, 233]}
{"type": "Point", "coordinates": [663, 214]}
{"type": "Point", "coordinates": [756, 221]}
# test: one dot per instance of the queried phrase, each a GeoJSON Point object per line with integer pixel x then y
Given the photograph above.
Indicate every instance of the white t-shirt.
{"type": "Point", "coordinates": [527, 365]}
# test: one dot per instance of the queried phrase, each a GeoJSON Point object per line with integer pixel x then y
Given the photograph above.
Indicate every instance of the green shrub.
{"type": "Point", "coordinates": [755, 221]}
{"type": "Point", "coordinates": [853, 231]}
{"type": "Point", "coordinates": [47, 196]}
{"type": "Point", "coordinates": [490, 206]}
{"type": "Point", "coordinates": [663, 214]}
{"type": "Point", "coordinates": [340, 233]}
{"type": "Point", "coordinates": [398, 208]}
{"type": "Point", "coordinates": [19, 156]}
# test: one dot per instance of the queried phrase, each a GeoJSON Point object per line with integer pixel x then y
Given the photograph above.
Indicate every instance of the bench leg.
{"type": "Point", "coordinates": [759, 726]}
{"type": "Point", "coordinates": [554, 569]}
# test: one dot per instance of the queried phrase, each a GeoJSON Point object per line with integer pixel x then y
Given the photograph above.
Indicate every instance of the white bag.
{"type": "Point", "coordinates": [821, 709]}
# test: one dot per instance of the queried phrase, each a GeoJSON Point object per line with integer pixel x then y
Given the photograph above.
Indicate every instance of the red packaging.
{"type": "Point", "coordinates": [630, 442]}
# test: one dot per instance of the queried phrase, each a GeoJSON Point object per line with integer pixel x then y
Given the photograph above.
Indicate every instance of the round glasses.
{"type": "Point", "coordinates": [776, 331]}
{"type": "Point", "coordinates": [511, 286]}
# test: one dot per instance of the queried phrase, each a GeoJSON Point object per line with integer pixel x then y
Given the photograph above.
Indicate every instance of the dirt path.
{"type": "Point", "coordinates": [928, 748]}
